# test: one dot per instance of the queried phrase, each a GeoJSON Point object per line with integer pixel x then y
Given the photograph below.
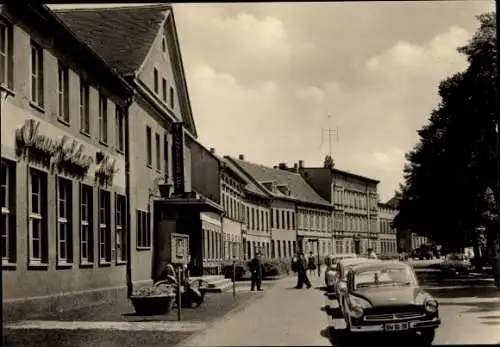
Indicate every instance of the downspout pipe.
{"type": "Point", "coordinates": [130, 286]}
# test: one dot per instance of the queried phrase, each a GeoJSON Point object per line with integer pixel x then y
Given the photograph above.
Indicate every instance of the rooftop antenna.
{"type": "Point", "coordinates": [332, 135]}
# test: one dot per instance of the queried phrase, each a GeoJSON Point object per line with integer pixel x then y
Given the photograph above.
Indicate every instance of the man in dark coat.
{"type": "Point", "coordinates": [256, 269]}
{"type": "Point", "coordinates": [302, 273]}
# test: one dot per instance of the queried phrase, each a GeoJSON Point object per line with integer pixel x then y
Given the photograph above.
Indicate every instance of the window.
{"type": "Point", "coordinates": [37, 90]}
{"type": "Point", "coordinates": [283, 219]}
{"type": "Point", "coordinates": [8, 226]}
{"type": "Point", "coordinates": [155, 80]}
{"type": "Point", "coordinates": [63, 93]}
{"type": "Point", "coordinates": [143, 230]}
{"type": "Point", "coordinates": [277, 215]}
{"type": "Point", "coordinates": [253, 220]}
{"type": "Point", "coordinates": [164, 89]}
{"type": "Point", "coordinates": [38, 252]}
{"type": "Point", "coordinates": [293, 221]}
{"type": "Point", "coordinates": [288, 220]}
{"type": "Point", "coordinates": [120, 129]}
{"type": "Point", "coordinates": [86, 225]}
{"type": "Point", "coordinates": [84, 108]}
{"type": "Point", "coordinates": [158, 151]}
{"type": "Point", "coordinates": [172, 100]}
{"type": "Point", "coordinates": [103, 119]}
{"type": "Point", "coordinates": [64, 227]}
{"type": "Point", "coordinates": [6, 55]}
{"type": "Point", "coordinates": [149, 150]}
{"type": "Point", "coordinates": [165, 155]}
{"type": "Point", "coordinates": [104, 227]}
{"type": "Point", "coordinates": [163, 45]}
{"type": "Point", "coordinates": [121, 230]}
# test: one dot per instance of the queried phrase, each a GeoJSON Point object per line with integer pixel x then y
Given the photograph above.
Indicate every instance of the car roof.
{"type": "Point", "coordinates": [380, 265]}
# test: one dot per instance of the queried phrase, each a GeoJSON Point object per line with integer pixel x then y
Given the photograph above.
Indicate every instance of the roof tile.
{"type": "Point", "coordinates": [299, 189]}
{"type": "Point", "coordinates": [122, 36]}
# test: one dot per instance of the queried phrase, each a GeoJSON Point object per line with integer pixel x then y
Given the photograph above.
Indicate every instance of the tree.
{"type": "Point", "coordinates": [328, 162]}
{"type": "Point", "coordinates": [453, 163]}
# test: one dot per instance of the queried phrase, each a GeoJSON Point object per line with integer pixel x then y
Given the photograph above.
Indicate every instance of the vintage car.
{"type": "Point", "coordinates": [335, 294]}
{"type": "Point", "coordinates": [456, 263]}
{"type": "Point", "coordinates": [385, 297]}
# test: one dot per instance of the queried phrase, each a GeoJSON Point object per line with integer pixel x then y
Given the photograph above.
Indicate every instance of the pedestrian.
{"type": "Point", "coordinates": [256, 269]}
{"type": "Point", "coordinates": [295, 261]}
{"type": "Point", "coordinates": [302, 273]}
{"type": "Point", "coordinates": [311, 264]}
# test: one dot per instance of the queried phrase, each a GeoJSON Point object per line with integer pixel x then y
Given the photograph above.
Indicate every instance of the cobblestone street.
{"type": "Point", "coordinates": [284, 316]}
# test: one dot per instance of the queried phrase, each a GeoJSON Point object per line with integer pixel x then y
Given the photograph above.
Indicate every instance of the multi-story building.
{"type": "Point", "coordinates": [65, 196]}
{"type": "Point", "coordinates": [233, 201]}
{"type": "Point", "coordinates": [355, 211]}
{"type": "Point", "coordinates": [387, 234]}
{"type": "Point", "coordinates": [164, 149]}
{"type": "Point", "coordinates": [299, 218]}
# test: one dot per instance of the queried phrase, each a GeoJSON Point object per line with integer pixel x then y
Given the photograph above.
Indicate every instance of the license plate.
{"type": "Point", "coordinates": [396, 326]}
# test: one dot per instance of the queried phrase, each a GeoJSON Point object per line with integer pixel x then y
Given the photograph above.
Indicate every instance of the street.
{"type": "Point", "coordinates": [470, 313]}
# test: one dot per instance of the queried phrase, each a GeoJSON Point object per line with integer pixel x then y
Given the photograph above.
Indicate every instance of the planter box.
{"type": "Point", "coordinates": [152, 305]}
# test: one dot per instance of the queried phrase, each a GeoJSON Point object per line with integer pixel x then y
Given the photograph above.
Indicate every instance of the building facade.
{"type": "Point", "coordinates": [174, 204]}
{"type": "Point", "coordinates": [354, 201]}
{"type": "Point", "coordinates": [63, 166]}
{"type": "Point", "coordinates": [388, 236]}
{"type": "Point", "coordinates": [299, 218]}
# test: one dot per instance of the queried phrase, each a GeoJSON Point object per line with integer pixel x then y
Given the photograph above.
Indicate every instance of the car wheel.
{"type": "Point", "coordinates": [427, 336]}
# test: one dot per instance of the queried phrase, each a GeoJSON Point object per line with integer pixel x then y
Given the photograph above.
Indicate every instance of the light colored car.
{"type": "Point", "coordinates": [456, 263]}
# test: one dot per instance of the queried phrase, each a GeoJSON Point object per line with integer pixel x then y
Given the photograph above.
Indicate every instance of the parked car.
{"type": "Point", "coordinates": [385, 297]}
{"type": "Point", "coordinates": [454, 263]}
{"type": "Point", "coordinates": [343, 266]}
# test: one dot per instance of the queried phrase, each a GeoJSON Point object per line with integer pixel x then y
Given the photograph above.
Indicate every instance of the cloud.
{"type": "Point", "coordinates": [271, 122]}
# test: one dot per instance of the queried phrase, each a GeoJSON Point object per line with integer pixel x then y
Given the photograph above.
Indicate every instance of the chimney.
{"type": "Point", "coordinates": [241, 157]}
{"type": "Point", "coordinates": [295, 166]}
{"type": "Point", "coordinates": [282, 166]}
{"type": "Point", "coordinates": [212, 150]}
{"type": "Point", "coordinates": [301, 164]}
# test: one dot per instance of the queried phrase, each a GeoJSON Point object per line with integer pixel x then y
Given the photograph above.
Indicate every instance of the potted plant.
{"type": "Point", "coordinates": [156, 300]}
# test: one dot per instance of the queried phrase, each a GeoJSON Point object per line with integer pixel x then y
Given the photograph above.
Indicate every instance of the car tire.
{"type": "Point", "coordinates": [427, 336]}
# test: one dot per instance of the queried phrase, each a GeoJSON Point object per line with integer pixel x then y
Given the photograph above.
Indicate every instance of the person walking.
{"type": "Point", "coordinates": [311, 263]}
{"type": "Point", "coordinates": [302, 273]}
{"type": "Point", "coordinates": [256, 269]}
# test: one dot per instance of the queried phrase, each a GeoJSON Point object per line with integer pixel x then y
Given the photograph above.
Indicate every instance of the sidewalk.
{"type": "Point", "coordinates": [284, 316]}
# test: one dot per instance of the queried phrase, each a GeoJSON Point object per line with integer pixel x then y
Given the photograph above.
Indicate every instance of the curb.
{"type": "Point", "coordinates": [227, 316]}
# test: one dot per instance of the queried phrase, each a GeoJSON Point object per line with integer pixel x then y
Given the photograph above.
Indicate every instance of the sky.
{"type": "Point", "coordinates": [263, 78]}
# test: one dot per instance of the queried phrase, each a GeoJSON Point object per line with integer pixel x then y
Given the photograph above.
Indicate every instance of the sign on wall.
{"type": "Point", "coordinates": [178, 157]}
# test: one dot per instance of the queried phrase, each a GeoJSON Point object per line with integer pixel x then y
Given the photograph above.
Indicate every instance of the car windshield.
{"type": "Point", "coordinates": [388, 276]}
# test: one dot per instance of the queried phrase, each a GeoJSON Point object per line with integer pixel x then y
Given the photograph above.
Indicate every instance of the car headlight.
{"type": "Point", "coordinates": [356, 312]}
{"type": "Point", "coordinates": [431, 305]}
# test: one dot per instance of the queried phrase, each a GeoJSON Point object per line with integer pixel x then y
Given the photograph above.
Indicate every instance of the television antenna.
{"type": "Point", "coordinates": [331, 135]}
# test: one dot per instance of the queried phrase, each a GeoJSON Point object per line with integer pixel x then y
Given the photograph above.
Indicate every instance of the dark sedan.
{"type": "Point", "coordinates": [386, 298]}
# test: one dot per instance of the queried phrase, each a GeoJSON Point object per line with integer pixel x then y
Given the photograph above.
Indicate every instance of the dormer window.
{"type": "Point", "coordinates": [283, 188]}
{"type": "Point", "coordinates": [269, 185]}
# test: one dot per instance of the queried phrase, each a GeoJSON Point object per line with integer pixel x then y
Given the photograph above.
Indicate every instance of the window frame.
{"type": "Point", "coordinates": [64, 221]}
{"type": "Point", "coordinates": [156, 84]}
{"type": "Point", "coordinates": [40, 217]}
{"type": "Point", "coordinates": [8, 211]}
{"type": "Point", "coordinates": [86, 225]}
{"type": "Point", "coordinates": [37, 87]}
{"type": "Point", "coordinates": [103, 119]}
{"type": "Point", "coordinates": [63, 109]}
{"type": "Point", "coordinates": [7, 54]}
{"type": "Point", "coordinates": [121, 229]}
{"type": "Point", "coordinates": [149, 146]}
{"type": "Point", "coordinates": [120, 128]}
{"type": "Point", "coordinates": [158, 151]}
{"type": "Point", "coordinates": [84, 107]}
{"type": "Point", "coordinates": [143, 227]}
{"type": "Point", "coordinates": [104, 229]}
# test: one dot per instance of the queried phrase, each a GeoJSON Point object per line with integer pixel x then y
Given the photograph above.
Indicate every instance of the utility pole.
{"type": "Point", "coordinates": [332, 135]}
{"type": "Point", "coordinates": [497, 135]}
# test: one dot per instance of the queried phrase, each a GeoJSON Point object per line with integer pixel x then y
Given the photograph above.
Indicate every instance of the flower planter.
{"type": "Point", "coordinates": [152, 305]}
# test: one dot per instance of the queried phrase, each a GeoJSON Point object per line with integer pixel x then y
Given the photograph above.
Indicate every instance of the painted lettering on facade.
{"type": "Point", "coordinates": [106, 168]}
{"type": "Point", "coordinates": [62, 150]}
{"type": "Point", "coordinates": [178, 157]}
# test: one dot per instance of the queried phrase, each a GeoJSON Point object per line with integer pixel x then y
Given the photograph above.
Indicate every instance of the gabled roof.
{"type": "Point", "coordinates": [394, 201]}
{"type": "Point", "coordinates": [250, 186]}
{"type": "Point", "coordinates": [123, 37]}
{"type": "Point", "coordinates": [299, 189]}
